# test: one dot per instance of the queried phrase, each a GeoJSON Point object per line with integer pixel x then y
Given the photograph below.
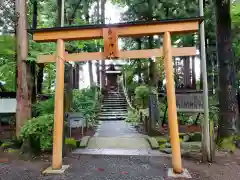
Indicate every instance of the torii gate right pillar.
{"type": "Point", "coordinates": [171, 99]}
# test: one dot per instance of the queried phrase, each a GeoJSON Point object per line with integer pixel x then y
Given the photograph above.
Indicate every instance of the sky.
{"type": "Point", "coordinates": [113, 14]}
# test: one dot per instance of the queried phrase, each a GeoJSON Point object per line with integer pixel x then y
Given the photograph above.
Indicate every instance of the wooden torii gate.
{"type": "Point", "coordinates": [110, 35]}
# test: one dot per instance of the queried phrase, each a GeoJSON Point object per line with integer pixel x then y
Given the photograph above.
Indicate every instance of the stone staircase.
{"type": "Point", "coordinates": [114, 107]}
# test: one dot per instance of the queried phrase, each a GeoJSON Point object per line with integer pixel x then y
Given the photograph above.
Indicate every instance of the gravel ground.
{"type": "Point", "coordinates": [121, 168]}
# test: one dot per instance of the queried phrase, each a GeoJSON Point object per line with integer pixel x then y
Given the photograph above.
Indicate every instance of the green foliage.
{"type": "Point", "coordinates": [41, 129]}
{"type": "Point", "coordinates": [7, 144]}
{"type": "Point", "coordinates": [141, 96]}
{"type": "Point", "coordinates": [235, 12]}
{"type": "Point", "coordinates": [7, 62]}
{"type": "Point", "coordinates": [162, 105]}
{"type": "Point", "coordinates": [71, 141]}
{"type": "Point", "coordinates": [36, 49]}
{"type": "Point", "coordinates": [132, 116]}
{"type": "Point", "coordinates": [227, 144]}
{"type": "Point", "coordinates": [153, 142]}
{"type": "Point", "coordinates": [43, 107]}
{"type": "Point", "coordinates": [86, 102]}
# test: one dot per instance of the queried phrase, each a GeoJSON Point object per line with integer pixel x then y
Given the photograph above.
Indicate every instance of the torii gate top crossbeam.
{"type": "Point", "coordinates": [86, 32]}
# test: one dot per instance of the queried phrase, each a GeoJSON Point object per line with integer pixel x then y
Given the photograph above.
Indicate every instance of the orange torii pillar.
{"type": "Point", "coordinates": [172, 109]}
{"type": "Point", "coordinates": [58, 110]}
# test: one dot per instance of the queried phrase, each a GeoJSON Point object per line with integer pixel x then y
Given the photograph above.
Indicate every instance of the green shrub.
{"type": "Point", "coordinates": [86, 102]}
{"type": "Point", "coordinates": [43, 107]}
{"type": "Point", "coordinates": [39, 130]}
{"type": "Point", "coordinates": [141, 96]}
{"type": "Point", "coordinates": [71, 141]}
{"type": "Point", "coordinates": [132, 116]}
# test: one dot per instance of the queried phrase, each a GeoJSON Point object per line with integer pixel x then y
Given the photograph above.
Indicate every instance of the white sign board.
{"type": "Point", "coordinates": [8, 105]}
{"type": "Point", "coordinates": [190, 102]}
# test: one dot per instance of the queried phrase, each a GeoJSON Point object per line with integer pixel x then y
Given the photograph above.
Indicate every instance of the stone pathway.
{"type": "Point", "coordinates": [117, 135]}
{"type": "Point", "coordinates": [113, 132]}
{"type": "Point", "coordinates": [118, 142]}
{"type": "Point", "coordinates": [116, 129]}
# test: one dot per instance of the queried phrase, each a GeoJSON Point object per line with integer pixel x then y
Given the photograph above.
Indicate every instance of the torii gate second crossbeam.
{"type": "Point", "coordinates": [110, 35]}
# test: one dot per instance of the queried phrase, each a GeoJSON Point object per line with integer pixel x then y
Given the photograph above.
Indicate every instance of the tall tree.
{"type": "Point", "coordinates": [24, 88]}
{"type": "Point", "coordinates": [228, 116]}
{"type": "Point", "coordinates": [98, 22]}
{"type": "Point", "coordinates": [33, 63]}
{"type": "Point", "coordinates": [86, 9]}
{"type": "Point", "coordinates": [68, 67]}
{"type": "Point", "coordinates": [103, 77]}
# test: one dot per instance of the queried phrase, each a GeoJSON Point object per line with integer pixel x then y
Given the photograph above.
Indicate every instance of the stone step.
{"type": "Point", "coordinates": [114, 107]}
{"type": "Point", "coordinates": [115, 92]}
{"type": "Point", "coordinates": [114, 97]}
{"type": "Point", "coordinates": [112, 100]}
{"type": "Point", "coordinates": [112, 114]}
{"type": "Point", "coordinates": [114, 110]}
{"type": "Point", "coordinates": [115, 104]}
{"type": "Point", "coordinates": [118, 143]}
{"type": "Point", "coordinates": [111, 118]}
{"type": "Point", "coordinates": [107, 108]}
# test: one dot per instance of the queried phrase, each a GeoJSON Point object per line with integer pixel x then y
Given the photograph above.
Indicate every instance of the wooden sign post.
{"type": "Point", "coordinates": [110, 35]}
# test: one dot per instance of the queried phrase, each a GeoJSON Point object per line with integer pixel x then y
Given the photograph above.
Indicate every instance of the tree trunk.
{"type": "Point", "coordinates": [186, 72]}
{"type": "Point", "coordinates": [229, 115]}
{"type": "Point", "coordinates": [201, 81]}
{"type": "Point", "coordinates": [103, 77]}
{"type": "Point", "coordinates": [76, 76]}
{"type": "Point", "coordinates": [40, 78]}
{"type": "Point", "coordinates": [58, 20]}
{"type": "Point", "coordinates": [139, 63]}
{"type": "Point", "coordinates": [98, 64]}
{"type": "Point", "coordinates": [68, 68]}
{"type": "Point", "coordinates": [193, 73]}
{"type": "Point", "coordinates": [87, 18]}
{"type": "Point", "coordinates": [24, 87]}
{"type": "Point", "coordinates": [67, 86]}
{"type": "Point", "coordinates": [33, 64]}
{"type": "Point", "coordinates": [90, 71]}
{"type": "Point", "coordinates": [153, 104]}
{"type": "Point", "coordinates": [35, 14]}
